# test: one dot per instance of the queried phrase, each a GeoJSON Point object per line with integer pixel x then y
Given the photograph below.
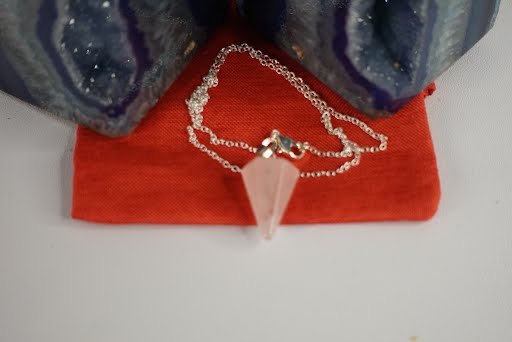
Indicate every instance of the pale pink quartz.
{"type": "Point", "coordinates": [269, 184]}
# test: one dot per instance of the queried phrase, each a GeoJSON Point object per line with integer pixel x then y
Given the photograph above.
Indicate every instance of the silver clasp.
{"type": "Point", "coordinates": [277, 144]}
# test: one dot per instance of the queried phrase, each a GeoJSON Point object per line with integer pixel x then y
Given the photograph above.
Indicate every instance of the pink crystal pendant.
{"type": "Point", "coordinates": [269, 183]}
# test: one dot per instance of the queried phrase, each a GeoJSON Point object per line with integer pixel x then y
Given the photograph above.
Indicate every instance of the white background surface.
{"type": "Point", "coordinates": [447, 280]}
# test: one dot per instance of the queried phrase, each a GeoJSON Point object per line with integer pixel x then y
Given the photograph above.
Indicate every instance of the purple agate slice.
{"type": "Point", "coordinates": [377, 54]}
{"type": "Point", "coordinates": [103, 63]}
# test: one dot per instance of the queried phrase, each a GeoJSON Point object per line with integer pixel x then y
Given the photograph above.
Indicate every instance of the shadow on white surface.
{"type": "Point", "coordinates": [67, 169]}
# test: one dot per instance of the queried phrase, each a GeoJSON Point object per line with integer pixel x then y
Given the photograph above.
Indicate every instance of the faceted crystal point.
{"type": "Point", "coordinates": [269, 184]}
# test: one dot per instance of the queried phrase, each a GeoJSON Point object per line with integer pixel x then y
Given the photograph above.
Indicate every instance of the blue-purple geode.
{"type": "Point", "coordinates": [377, 54]}
{"type": "Point", "coordinates": [103, 63]}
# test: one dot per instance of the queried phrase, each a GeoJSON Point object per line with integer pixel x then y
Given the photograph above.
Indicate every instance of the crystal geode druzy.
{"type": "Point", "coordinates": [377, 54]}
{"type": "Point", "coordinates": [103, 63]}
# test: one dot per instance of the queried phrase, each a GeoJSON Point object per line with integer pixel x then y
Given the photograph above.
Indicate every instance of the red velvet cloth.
{"type": "Point", "coordinates": [156, 176]}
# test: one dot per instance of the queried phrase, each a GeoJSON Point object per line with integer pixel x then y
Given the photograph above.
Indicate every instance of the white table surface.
{"type": "Point", "coordinates": [447, 280]}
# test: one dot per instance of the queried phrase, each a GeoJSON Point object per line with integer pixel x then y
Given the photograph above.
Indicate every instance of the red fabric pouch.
{"type": "Point", "coordinates": [156, 176]}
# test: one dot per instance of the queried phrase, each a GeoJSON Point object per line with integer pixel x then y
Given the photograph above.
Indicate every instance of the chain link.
{"type": "Point", "coordinates": [200, 97]}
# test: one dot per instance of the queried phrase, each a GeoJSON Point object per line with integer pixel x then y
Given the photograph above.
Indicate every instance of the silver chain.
{"type": "Point", "coordinates": [200, 97]}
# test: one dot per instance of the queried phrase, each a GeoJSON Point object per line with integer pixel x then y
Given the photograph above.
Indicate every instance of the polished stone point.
{"type": "Point", "coordinates": [269, 183]}
{"type": "Point", "coordinates": [377, 54]}
{"type": "Point", "coordinates": [103, 63]}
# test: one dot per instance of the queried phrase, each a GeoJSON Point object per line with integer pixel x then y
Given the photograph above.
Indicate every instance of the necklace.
{"type": "Point", "coordinates": [270, 181]}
